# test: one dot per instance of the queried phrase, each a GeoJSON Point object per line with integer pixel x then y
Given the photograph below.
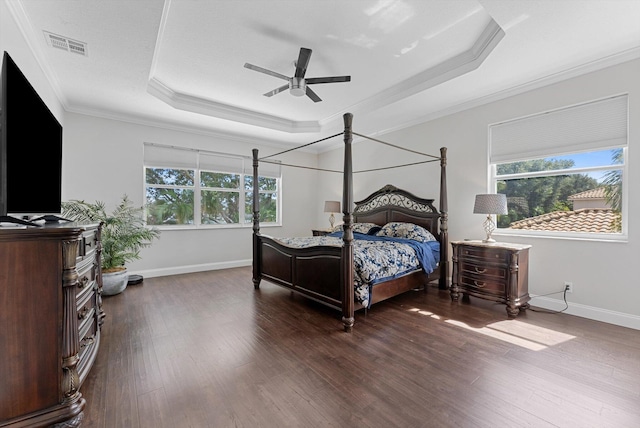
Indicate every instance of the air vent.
{"type": "Point", "coordinates": [64, 43]}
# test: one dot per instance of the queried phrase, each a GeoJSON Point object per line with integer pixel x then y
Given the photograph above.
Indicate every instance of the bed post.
{"type": "Point", "coordinates": [256, 222]}
{"type": "Point", "coordinates": [444, 232]}
{"type": "Point", "coordinates": [347, 210]}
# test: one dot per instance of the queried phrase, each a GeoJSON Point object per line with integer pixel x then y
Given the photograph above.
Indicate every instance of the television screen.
{"type": "Point", "coordinates": [30, 149]}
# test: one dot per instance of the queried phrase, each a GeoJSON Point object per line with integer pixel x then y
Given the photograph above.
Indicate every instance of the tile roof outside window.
{"type": "Point", "coordinates": [589, 220]}
{"type": "Point", "coordinates": [597, 193]}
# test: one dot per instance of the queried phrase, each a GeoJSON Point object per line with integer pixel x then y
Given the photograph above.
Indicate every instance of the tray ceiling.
{"type": "Point", "coordinates": [180, 62]}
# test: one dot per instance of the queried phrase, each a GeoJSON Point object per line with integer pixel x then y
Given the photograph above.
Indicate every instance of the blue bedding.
{"type": "Point", "coordinates": [428, 253]}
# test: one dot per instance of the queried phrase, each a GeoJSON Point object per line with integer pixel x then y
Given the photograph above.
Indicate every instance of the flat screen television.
{"type": "Point", "coordinates": [30, 151]}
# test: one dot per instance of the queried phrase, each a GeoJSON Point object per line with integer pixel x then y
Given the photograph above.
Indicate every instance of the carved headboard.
{"type": "Point", "coordinates": [393, 204]}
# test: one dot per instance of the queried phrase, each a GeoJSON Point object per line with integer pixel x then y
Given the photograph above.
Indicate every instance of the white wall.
{"type": "Point", "coordinates": [103, 160]}
{"type": "Point", "coordinates": [12, 41]}
{"type": "Point", "coordinates": [603, 273]}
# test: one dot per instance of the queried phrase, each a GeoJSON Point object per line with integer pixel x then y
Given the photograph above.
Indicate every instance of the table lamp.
{"type": "Point", "coordinates": [491, 203]}
{"type": "Point", "coordinates": [331, 207]}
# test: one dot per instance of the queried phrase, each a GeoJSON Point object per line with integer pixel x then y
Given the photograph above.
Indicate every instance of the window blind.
{"type": "Point", "coordinates": [591, 126]}
{"type": "Point", "coordinates": [221, 163]}
{"type": "Point", "coordinates": [169, 157]}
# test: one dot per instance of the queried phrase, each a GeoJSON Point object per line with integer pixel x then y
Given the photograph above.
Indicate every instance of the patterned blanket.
{"type": "Point", "coordinates": [377, 258]}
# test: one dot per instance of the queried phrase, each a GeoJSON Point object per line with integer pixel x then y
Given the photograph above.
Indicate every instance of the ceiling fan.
{"type": "Point", "coordinates": [298, 85]}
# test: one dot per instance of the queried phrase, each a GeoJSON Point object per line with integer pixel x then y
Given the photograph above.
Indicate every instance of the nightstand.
{"type": "Point", "coordinates": [493, 271]}
{"type": "Point", "coordinates": [320, 232]}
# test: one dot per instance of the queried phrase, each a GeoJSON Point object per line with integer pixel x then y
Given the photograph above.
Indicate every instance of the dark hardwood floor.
{"type": "Point", "coordinates": [207, 350]}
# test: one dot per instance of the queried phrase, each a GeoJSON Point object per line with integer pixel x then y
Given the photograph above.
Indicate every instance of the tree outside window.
{"type": "Point", "coordinates": [538, 189]}
{"type": "Point", "coordinates": [174, 197]}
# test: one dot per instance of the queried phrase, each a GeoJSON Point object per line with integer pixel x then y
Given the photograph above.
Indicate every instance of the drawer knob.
{"type": "Point", "coordinates": [478, 270]}
{"type": "Point", "coordinates": [83, 282]}
{"type": "Point", "coordinates": [479, 284]}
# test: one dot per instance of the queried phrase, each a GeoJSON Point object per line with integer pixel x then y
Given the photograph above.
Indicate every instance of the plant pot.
{"type": "Point", "coordinates": [114, 282]}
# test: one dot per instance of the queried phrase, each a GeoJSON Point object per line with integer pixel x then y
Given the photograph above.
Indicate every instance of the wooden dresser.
{"type": "Point", "coordinates": [493, 271]}
{"type": "Point", "coordinates": [50, 319]}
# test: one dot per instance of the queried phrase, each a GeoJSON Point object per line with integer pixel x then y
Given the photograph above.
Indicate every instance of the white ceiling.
{"type": "Point", "coordinates": [180, 62]}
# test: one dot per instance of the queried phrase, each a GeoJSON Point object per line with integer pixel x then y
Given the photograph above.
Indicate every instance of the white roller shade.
{"type": "Point", "coordinates": [159, 156]}
{"type": "Point", "coordinates": [592, 126]}
{"type": "Point", "coordinates": [221, 163]}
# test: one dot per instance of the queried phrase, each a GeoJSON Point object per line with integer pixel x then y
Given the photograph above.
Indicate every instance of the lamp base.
{"type": "Point", "coordinates": [489, 226]}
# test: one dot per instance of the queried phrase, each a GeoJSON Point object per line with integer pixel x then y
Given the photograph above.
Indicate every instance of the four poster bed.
{"type": "Point", "coordinates": [371, 259]}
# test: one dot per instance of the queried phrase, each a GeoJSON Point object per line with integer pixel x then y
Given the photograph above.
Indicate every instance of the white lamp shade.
{"type": "Point", "coordinates": [332, 206]}
{"type": "Point", "coordinates": [491, 203]}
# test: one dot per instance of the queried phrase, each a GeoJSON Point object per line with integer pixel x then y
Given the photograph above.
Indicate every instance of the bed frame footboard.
{"type": "Point", "coordinates": [313, 272]}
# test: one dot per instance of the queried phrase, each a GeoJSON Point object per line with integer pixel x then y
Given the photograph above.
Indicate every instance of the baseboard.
{"type": "Point", "coordinates": [177, 270]}
{"type": "Point", "coordinates": [590, 312]}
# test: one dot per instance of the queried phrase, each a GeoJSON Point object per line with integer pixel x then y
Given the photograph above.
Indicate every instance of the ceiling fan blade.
{"type": "Point", "coordinates": [277, 90]}
{"type": "Point", "coordinates": [303, 62]}
{"type": "Point", "coordinates": [334, 79]}
{"type": "Point", "coordinates": [265, 71]}
{"type": "Point", "coordinates": [313, 95]}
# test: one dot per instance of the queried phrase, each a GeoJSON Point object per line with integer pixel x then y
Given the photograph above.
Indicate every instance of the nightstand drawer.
{"type": "Point", "coordinates": [485, 272]}
{"type": "Point", "coordinates": [482, 284]}
{"type": "Point", "coordinates": [484, 255]}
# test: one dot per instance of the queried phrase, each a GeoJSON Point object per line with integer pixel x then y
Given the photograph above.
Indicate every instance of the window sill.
{"type": "Point", "coordinates": [567, 236]}
{"type": "Point", "coordinates": [214, 226]}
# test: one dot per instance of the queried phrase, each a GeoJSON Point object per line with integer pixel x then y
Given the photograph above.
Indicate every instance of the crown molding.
{"type": "Point", "coordinates": [174, 126]}
{"type": "Point", "coordinates": [194, 104]}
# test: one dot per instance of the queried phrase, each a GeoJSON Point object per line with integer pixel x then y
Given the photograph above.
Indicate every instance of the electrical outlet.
{"type": "Point", "coordinates": [568, 287]}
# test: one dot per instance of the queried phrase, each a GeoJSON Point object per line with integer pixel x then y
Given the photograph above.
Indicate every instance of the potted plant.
{"type": "Point", "coordinates": [123, 235]}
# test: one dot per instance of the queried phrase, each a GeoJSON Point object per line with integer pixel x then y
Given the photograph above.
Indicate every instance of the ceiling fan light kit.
{"type": "Point", "coordinates": [297, 83]}
{"type": "Point", "coordinates": [297, 87]}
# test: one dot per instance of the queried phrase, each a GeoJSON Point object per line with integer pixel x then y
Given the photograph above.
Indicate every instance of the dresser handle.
{"type": "Point", "coordinates": [478, 270]}
{"type": "Point", "coordinates": [479, 284]}
{"type": "Point", "coordinates": [83, 281]}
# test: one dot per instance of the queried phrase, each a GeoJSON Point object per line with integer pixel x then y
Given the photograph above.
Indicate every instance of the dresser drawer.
{"type": "Point", "coordinates": [87, 245]}
{"type": "Point", "coordinates": [86, 279]}
{"type": "Point", "coordinates": [88, 344]}
{"type": "Point", "coordinates": [85, 305]}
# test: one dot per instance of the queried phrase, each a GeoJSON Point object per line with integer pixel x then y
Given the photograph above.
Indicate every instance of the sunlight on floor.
{"type": "Point", "coordinates": [515, 332]}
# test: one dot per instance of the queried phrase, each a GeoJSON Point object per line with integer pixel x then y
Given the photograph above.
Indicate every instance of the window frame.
{"type": "Point", "coordinates": [569, 149]}
{"type": "Point", "coordinates": [197, 188]}
{"type": "Point", "coordinates": [494, 178]}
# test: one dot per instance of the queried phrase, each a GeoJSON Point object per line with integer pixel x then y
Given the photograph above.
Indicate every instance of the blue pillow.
{"type": "Point", "coordinates": [406, 231]}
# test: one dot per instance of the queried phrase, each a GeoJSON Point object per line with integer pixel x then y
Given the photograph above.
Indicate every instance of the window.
{"type": "Point", "coordinates": [563, 171]}
{"type": "Point", "coordinates": [197, 188]}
